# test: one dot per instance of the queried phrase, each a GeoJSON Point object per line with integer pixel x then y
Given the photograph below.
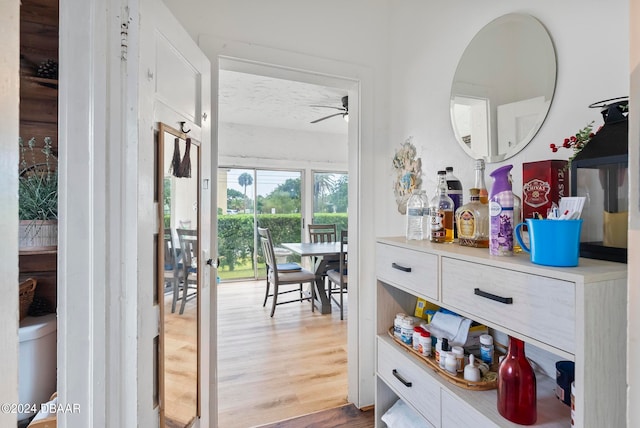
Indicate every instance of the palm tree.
{"type": "Point", "coordinates": [324, 184]}
{"type": "Point", "coordinates": [245, 179]}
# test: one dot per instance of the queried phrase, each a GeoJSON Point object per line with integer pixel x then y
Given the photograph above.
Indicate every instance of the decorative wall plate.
{"type": "Point", "coordinates": [408, 174]}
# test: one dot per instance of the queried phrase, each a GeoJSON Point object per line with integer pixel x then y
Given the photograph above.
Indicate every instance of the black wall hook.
{"type": "Point", "coordinates": [182, 128]}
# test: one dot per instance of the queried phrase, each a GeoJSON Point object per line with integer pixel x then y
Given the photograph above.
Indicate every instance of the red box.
{"type": "Point", "coordinates": [543, 183]}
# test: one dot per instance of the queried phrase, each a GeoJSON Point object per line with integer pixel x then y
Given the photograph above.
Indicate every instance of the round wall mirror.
{"type": "Point", "coordinates": [503, 86]}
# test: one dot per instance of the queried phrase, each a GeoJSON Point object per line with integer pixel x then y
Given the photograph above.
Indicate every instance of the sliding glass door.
{"type": "Point", "coordinates": [330, 199]}
{"type": "Point", "coordinates": [248, 198]}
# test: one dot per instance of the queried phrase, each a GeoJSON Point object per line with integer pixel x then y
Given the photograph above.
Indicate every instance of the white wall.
{"type": "Point", "coordinates": [236, 141]}
{"type": "Point", "coordinates": [427, 40]}
{"type": "Point", "coordinates": [412, 48]}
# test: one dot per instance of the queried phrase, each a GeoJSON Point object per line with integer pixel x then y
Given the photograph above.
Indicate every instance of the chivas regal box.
{"type": "Point", "coordinates": [543, 183]}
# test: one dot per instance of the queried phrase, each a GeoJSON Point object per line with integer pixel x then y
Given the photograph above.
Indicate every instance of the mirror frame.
{"type": "Point", "coordinates": [488, 110]}
{"type": "Point", "coordinates": [163, 128]}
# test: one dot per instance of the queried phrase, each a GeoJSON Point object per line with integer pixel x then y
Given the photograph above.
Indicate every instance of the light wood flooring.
{"type": "Point", "coordinates": [269, 369]}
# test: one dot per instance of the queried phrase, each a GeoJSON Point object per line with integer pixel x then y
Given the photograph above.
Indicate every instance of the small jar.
{"type": "Point", "coordinates": [458, 352]}
{"type": "Point", "coordinates": [486, 348]}
{"type": "Point", "coordinates": [397, 324]}
{"type": "Point", "coordinates": [406, 330]}
{"type": "Point", "coordinates": [425, 344]}
{"type": "Point", "coordinates": [451, 363]}
{"type": "Point", "coordinates": [417, 331]}
{"type": "Point", "coordinates": [438, 350]}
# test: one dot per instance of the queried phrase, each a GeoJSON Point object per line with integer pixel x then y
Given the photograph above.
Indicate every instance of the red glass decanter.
{"type": "Point", "coordinates": [517, 386]}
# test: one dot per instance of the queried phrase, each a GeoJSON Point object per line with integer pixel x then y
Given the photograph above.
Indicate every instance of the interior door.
{"type": "Point", "coordinates": [175, 91]}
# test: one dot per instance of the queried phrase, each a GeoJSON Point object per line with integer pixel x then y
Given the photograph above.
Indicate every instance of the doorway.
{"type": "Point", "coordinates": [321, 158]}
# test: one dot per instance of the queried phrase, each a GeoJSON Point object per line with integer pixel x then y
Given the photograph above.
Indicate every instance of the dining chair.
{"type": "Point", "coordinates": [324, 233]}
{"type": "Point", "coordinates": [189, 281]}
{"type": "Point", "coordinates": [172, 265]}
{"type": "Point", "coordinates": [339, 279]}
{"type": "Point", "coordinates": [283, 275]}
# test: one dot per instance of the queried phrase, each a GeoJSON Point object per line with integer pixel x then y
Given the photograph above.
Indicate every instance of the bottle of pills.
{"type": "Point", "coordinates": [406, 330]}
{"type": "Point", "coordinates": [486, 348]}
{"type": "Point", "coordinates": [417, 331]}
{"type": "Point", "coordinates": [397, 324]}
{"type": "Point", "coordinates": [458, 352]}
{"type": "Point", "coordinates": [425, 344]}
{"type": "Point", "coordinates": [451, 363]}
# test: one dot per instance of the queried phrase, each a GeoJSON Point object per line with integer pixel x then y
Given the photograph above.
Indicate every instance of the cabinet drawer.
{"type": "Point", "coordinates": [412, 382]}
{"type": "Point", "coordinates": [456, 414]}
{"type": "Point", "coordinates": [542, 308]}
{"type": "Point", "coordinates": [414, 270]}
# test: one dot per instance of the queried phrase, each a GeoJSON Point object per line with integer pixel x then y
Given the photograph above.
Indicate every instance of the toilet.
{"type": "Point", "coordinates": [37, 361]}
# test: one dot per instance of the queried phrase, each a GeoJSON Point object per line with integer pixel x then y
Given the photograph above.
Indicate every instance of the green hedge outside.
{"type": "Point", "coordinates": [236, 237]}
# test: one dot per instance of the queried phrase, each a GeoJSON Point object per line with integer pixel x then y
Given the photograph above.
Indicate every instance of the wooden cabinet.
{"type": "Point", "coordinates": [42, 266]}
{"type": "Point", "coordinates": [576, 314]}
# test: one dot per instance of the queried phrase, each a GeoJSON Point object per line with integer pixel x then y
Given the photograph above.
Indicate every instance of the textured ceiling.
{"type": "Point", "coordinates": [266, 101]}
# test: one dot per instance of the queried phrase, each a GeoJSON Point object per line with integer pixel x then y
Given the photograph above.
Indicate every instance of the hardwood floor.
{"type": "Point", "coordinates": [347, 416]}
{"type": "Point", "coordinates": [270, 369]}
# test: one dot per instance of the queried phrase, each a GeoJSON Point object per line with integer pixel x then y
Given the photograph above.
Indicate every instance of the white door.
{"type": "Point", "coordinates": [175, 90]}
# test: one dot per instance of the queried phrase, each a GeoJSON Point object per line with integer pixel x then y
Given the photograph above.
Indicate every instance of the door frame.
{"type": "Point", "coordinates": [358, 81]}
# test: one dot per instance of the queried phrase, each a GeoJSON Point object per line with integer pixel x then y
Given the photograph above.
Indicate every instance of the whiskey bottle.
{"type": "Point", "coordinates": [441, 213]}
{"type": "Point", "coordinates": [472, 221]}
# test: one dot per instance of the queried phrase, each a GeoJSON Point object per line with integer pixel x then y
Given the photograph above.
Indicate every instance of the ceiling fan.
{"type": "Point", "coordinates": [344, 110]}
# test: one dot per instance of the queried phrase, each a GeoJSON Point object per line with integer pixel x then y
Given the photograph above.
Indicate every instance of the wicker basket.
{"type": "Point", "coordinates": [27, 291]}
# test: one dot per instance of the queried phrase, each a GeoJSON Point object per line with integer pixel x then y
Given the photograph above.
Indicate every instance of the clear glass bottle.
{"type": "Point", "coordinates": [480, 184]}
{"type": "Point", "coordinates": [472, 222]}
{"type": "Point", "coordinates": [517, 386]}
{"type": "Point", "coordinates": [415, 214]}
{"type": "Point", "coordinates": [454, 191]}
{"type": "Point", "coordinates": [441, 212]}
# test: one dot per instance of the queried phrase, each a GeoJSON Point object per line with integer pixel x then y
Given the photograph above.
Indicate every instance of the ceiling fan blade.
{"type": "Point", "coordinates": [327, 117]}
{"type": "Point", "coordinates": [337, 108]}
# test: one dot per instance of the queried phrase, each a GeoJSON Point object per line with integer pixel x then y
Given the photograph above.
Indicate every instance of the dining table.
{"type": "Point", "coordinates": [322, 254]}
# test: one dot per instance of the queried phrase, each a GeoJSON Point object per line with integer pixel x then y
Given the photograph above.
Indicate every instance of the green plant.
{"type": "Point", "coordinates": [576, 142]}
{"type": "Point", "coordinates": [38, 182]}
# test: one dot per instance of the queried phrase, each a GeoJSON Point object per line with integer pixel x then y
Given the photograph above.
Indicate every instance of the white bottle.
{"type": "Point", "coordinates": [458, 352]}
{"type": "Point", "coordinates": [486, 348]}
{"type": "Point", "coordinates": [415, 213]}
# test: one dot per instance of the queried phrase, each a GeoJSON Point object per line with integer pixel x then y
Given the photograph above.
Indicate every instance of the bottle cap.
{"type": "Point", "coordinates": [474, 191]}
{"type": "Point", "coordinates": [445, 344]}
{"type": "Point", "coordinates": [457, 350]}
{"type": "Point", "coordinates": [486, 339]}
{"type": "Point", "coordinates": [479, 163]}
{"type": "Point", "coordinates": [449, 168]}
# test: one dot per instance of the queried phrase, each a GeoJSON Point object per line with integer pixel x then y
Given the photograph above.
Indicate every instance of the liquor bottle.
{"type": "Point", "coordinates": [517, 386]}
{"type": "Point", "coordinates": [501, 213]}
{"type": "Point", "coordinates": [454, 191]}
{"type": "Point", "coordinates": [484, 194]}
{"type": "Point", "coordinates": [472, 221]}
{"type": "Point", "coordinates": [415, 215]}
{"type": "Point", "coordinates": [441, 212]}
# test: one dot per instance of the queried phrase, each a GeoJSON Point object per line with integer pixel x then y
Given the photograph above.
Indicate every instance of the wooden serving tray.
{"type": "Point", "coordinates": [488, 381]}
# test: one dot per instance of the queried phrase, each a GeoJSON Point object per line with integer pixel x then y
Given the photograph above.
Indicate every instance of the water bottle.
{"type": "Point", "coordinates": [454, 191]}
{"type": "Point", "coordinates": [415, 212]}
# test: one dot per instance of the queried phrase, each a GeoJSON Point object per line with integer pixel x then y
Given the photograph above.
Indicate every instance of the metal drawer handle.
{"type": "Point", "coordinates": [505, 300]}
{"type": "Point", "coordinates": [401, 379]}
{"type": "Point", "coordinates": [402, 268]}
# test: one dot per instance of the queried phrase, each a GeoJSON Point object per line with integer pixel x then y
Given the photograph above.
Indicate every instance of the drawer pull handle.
{"type": "Point", "coordinates": [401, 379]}
{"type": "Point", "coordinates": [505, 300]}
{"type": "Point", "coordinates": [402, 268]}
